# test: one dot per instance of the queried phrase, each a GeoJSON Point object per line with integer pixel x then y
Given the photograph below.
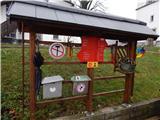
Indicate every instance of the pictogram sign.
{"type": "Point", "coordinates": [52, 89]}
{"type": "Point", "coordinates": [92, 64]}
{"type": "Point", "coordinates": [81, 87]}
{"type": "Point", "coordinates": [57, 50]}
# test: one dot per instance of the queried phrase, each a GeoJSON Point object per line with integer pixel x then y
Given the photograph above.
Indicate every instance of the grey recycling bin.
{"type": "Point", "coordinates": [80, 84]}
{"type": "Point", "coordinates": [52, 87]}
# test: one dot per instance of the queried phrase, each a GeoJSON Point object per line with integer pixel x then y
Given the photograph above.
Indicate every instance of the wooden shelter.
{"type": "Point", "coordinates": [37, 17]}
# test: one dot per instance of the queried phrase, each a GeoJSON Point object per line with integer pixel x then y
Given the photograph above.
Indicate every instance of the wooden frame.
{"type": "Point", "coordinates": [129, 78]}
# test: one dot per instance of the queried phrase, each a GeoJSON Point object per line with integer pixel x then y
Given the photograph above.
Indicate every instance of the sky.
{"type": "Point", "coordinates": [124, 8]}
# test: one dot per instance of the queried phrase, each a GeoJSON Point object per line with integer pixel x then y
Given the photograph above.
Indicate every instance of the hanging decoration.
{"type": "Point", "coordinates": [38, 61]}
{"type": "Point", "coordinates": [127, 65]}
{"type": "Point", "coordinates": [140, 52]}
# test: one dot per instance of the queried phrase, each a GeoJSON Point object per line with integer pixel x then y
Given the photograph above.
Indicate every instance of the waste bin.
{"type": "Point", "coordinates": [80, 84]}
{"type": "Point", "coordinates": [52, 87]}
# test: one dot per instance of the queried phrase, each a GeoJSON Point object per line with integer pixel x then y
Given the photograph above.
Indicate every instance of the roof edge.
{"type": "Point", "coordinates": [84, 12]}
{"type": "Point", "coordinates": [147, 4]}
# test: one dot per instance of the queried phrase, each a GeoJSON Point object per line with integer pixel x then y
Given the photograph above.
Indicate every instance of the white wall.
{"type": "Point", "coordinates": [145, 13]}
{"type": "Point", "coordinates": [3, 14]}
{"type": "Point", "coordinates": [61, 38]}
{"type": "Point", "coordinates": [45, 37]}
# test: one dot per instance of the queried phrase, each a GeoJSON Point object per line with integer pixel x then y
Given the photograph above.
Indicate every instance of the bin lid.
{"type": "Point", "coordinates": [79, 78]}
{"type": "Point", "coordinates": [52, 79]}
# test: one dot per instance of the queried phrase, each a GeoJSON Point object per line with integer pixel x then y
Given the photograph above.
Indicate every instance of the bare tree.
{"type": "Point", "coordinates": [94, 5]}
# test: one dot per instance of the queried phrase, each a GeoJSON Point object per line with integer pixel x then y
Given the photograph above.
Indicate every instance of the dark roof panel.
{"type": "Point", "coordinates": [65, 16]}
{"type": "Point", "coordinates": [83, 18]}
{"type": "Point", "coordinates": [80, 11]}
{"type": "Point", "coordinates": [46, 13]}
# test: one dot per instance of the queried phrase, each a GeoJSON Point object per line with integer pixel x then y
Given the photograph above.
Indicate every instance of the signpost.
{"type": "Point", "coordinates": [57, 50]}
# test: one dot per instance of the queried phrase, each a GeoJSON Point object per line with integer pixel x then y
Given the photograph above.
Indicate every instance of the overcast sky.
{"type": "Point", "coordinates": [125, 8]}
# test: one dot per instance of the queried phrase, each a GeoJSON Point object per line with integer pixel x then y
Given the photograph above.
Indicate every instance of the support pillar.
{"type": "Point", "coordinates": [32, 92]}
{"type": "Point", "coordinates": [90, 90]}
{"type": "Point", "coordinates": [129, 80]}
{"type": "Point", "coordinates": [133, 56]}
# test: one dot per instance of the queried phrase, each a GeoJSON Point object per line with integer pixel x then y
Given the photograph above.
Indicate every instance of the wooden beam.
{"type": "Point", "coordinates": [109, 77]}
{"type": "Point", "coordinates": [48, 27]}
{"type": "Point", "coordinates": [127, 91]}
{"type": "Point", "coordinates": [46, 102]}
{"type": "Point", "coordinates": [129, 77]}
{"type": "Point", "coordinates": [32, 92]}
{"type": "Point", "coordinates": [133, 56]}
{"type": "Point", "coordinates": [74, 62]}
{"type": "Point", "coordinates": [108, 93]}
{"type": "Point", "coordinates": [89, 101]}
{"type": "Point", "coordinates": [23, 70]}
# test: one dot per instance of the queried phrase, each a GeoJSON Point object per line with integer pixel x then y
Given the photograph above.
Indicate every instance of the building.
{"type": "Point", "coordinates": [16, 35]}
{"type": "Point", "coordinates": [149, 12]}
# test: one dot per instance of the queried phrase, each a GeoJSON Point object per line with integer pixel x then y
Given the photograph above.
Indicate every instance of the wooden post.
{"type": "Point", "coordinates": [90, 90]}
{"type": "Point", "coordinates": [129, 80]}
{"type": "Point", "coordinates": [23, 61]}
{"type": "Point", "coordinates": [133, 56]}
{"type": "Point", "coordinates": [32, 93]}
{"type": "Point", "coordinates": [127, 88]}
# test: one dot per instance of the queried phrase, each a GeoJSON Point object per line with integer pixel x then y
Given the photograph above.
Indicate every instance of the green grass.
{"type": "Point", "coordinates": [147, 83]}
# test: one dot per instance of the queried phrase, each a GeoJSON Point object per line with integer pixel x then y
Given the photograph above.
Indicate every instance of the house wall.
{"type": "Point", "coordinates": [145, 13]}
{"type": "Point", "coordinates": [61, 38]}
{"type": "Point", "coordinates": [3, 14]}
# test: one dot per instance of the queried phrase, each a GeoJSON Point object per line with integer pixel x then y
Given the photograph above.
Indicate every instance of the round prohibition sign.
{"type": "Point", "coordinates": [57, 50]}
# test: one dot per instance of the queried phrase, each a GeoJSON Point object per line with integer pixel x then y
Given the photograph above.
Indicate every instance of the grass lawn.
{"type": "Point", "coordinates": [147, 82]}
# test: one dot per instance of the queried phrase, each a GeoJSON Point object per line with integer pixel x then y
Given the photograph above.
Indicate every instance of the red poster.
{"type": "Point", "coordinates": [92, 49]}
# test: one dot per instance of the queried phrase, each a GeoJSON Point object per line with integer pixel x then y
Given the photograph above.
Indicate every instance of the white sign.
{"type": "Point", "coordinates": [81, 88]}
{"type": "Point", "coordinates": [57, 50]}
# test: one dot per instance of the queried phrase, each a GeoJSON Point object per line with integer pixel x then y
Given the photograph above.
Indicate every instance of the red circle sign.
{"type": "Point", "coordinates": [57, 50]}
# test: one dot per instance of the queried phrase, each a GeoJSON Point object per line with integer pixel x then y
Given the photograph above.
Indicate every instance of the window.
{"type": "Point", "coordinates": [12, 35]}
{"type": "Point", "coordinates": [55, 37]}
{"type": "Point", "coordinates": [154, 29]}
{"type": "Point", "coordinates": [7, 7]}
{"type": "Point", "coordinates": [152, 18]}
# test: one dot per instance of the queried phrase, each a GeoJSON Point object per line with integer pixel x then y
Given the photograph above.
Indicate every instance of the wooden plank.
{"type": "Point", "coordinates": [57, 100]}
{"type": "Point", "coordinates": [109, 77]}
{"type": "Point", "coordinates": [32, 92]}
{"type": "Point", "coordinates": [46, 102]}
{"type": "Point", "coordinates": [108, 93]}
{"type": "Point", "coordinates": [74, 62]}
